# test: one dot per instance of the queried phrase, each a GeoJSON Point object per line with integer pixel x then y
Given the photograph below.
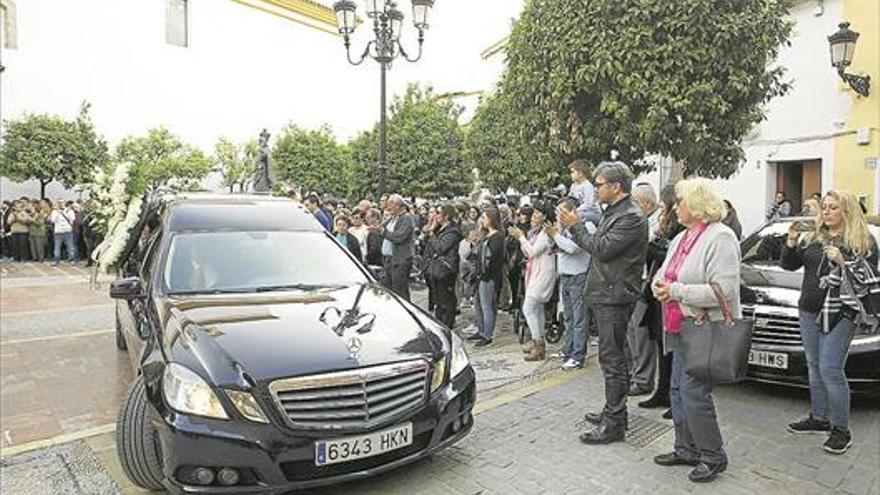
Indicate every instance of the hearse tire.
{"type": "Point", "coordinates": [137, 444]}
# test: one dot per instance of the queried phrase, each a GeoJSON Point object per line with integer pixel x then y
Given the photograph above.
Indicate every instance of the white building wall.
{"type": "Point", "coordinates": [799, 125]}
{"type": "Point", "coordinates": [242, 71]}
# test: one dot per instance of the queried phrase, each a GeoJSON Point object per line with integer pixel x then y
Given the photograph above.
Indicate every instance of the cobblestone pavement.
{"type": "Point", "coordinates": [524, 439]}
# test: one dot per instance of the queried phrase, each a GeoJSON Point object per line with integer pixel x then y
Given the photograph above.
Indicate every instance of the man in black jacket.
{"type": "Point", "coordinates": [614, 283]}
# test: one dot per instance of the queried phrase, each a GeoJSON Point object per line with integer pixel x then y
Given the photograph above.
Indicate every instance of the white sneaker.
{"type": "Point", "coordinates": [571, 364]}
{"type": "Point", "coordinates": [557, 355]}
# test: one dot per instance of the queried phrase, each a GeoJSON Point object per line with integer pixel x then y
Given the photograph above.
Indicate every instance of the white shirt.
{"type": "Point", "coordinates": [63, 221]}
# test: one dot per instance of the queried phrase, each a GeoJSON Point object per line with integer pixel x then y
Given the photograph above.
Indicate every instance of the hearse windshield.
{"type": "Point", "coordinates": [228, 262]}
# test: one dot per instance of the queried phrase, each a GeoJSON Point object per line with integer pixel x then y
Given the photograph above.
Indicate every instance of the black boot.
{"type": "Point", "coordinates": [604, 433]}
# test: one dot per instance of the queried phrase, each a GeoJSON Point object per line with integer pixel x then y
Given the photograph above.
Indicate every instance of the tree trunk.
{"type": "Point", "coordinates": [43, 184]}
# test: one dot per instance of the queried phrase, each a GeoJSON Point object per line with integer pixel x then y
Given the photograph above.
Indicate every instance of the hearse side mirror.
{"type": "Point", "coordinates": [127, 289]}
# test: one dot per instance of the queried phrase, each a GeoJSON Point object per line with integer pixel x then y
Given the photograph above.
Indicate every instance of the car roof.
{"type": "Point", "coordinates": [207, 212]}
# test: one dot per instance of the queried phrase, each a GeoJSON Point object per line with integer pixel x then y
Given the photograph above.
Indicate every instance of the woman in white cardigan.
{"type": "Point", "coordinates": [540, 276]}
{"type": "Point", "coordinates": [706, 252]}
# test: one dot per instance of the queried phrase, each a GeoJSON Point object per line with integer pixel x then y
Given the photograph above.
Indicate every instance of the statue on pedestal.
{"type": "Point", "coordinates": [263, 175]}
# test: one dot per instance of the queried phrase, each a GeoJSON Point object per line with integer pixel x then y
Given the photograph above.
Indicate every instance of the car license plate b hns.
{"type": "Point", "coordinates": [359, 447]}
{"type": "Point", "coordinates": [767, 359]}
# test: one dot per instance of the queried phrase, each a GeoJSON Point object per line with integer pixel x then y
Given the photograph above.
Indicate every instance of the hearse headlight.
{"type": "Point", "coordinates": [186, 392]}
{"type": "Point", "coordinates": [459, 357]}
{"type": "Point", "coordinates": [247, 406]}
{"type": "Point", "coordinates": [439, 374]}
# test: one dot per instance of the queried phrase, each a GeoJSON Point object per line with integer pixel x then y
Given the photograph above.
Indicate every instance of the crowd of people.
{"type": "Point", "coordinates": [39, 230]}
{"type": "Point", "coordinates": [632, 267]}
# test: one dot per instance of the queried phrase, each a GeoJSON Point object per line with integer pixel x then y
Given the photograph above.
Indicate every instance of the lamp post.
{"type": "Point", "coordinates": [843, 46]}
{"type": "Point", "coordinates": [383, 48]}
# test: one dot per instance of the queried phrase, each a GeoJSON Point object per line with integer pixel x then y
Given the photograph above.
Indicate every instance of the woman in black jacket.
{"type": "Point", "coordinates": [839, 249]}
{"type": "Point", "coordinates": [657, 248]}
{"type": "Point", "coordinates": [346, 238]}
{"type": "Point", "coordinates": [490, 257]}
{"type": "Point", "coordinates": [441, 257]}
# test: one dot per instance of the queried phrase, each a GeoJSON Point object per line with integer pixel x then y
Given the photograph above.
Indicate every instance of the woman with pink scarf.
{"type": "Point", "coordinates": [706, 252]}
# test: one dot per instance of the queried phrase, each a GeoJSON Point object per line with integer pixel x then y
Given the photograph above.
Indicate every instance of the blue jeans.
{"type": "Point", "coordinates": [697, 435]}
{"type": "Point", "coordinates": [65, 238]}
{"type": "Point", "coordinates": [486, 305]}
{"type": "Point", "coordinates": [571, 291]}
{"type": "Point", "coordinates": [826, 355]}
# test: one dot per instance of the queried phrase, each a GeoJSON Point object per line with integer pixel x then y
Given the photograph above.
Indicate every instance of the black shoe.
{"type": "Point", "coordinates": [474, 336]}
{"type": "Point", "coordinates": [597, 418]}
{"type": "Point", "coordinates": [637, 390]}
{"type": "Point", "coordinates": [667, 414]}
{"type": "Point", "coordinates": [809, 425]}
{"type": "Point", "coordinates": [603, 434]}
{"type": "Point", "coordinates": [654, 401]}
{"type": "Point", "coordinates": [673, 459]}
{"type": "Point", "coordinates": [483, 343]}
{"type": "Point", "coordinates": [838, 442]}
{"type": "Point", "coordinates": [594, 418]}
{"type": "Point", "coordinates": [705, 472]}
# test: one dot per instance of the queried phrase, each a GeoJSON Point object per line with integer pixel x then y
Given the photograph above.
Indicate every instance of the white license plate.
{"type": "Point", "coordinates": [768, 359]}
{"type": "Point", "coordinates": [359, 447]}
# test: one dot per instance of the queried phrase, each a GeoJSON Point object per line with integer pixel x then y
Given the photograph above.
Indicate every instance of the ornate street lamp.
{"type": "Point", "coordinates": [843, 46]}
{"type": "Point", "coordinates": [383, 48]}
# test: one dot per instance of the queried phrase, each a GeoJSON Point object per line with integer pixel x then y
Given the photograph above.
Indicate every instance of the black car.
{"type": "Point", "coordinates": [770, 296]}
{"type": "Point", "coordinates": [269, 360]}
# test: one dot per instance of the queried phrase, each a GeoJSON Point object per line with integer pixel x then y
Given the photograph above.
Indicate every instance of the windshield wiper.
{"type": "Point", "coordinates": [305, 287]}
{"type": "Point", "coordinates": [199, 292]}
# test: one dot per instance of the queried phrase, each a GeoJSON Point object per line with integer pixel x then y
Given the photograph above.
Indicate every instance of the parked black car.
{"type": "Point", "coordinates": [269, 360]}
{"type": "Point", "coordinates": [770, 296]}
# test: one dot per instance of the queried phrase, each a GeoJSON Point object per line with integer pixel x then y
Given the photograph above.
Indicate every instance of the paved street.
{"type": "Point", "coordinates": [62, 379]}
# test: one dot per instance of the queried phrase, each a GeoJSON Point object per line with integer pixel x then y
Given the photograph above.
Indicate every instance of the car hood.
{"type": "Point", "coordinates": [770, 285]}
{"type": "Point", "coordinates": [256, 338]}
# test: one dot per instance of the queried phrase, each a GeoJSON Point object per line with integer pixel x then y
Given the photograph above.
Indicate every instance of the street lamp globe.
{"type": "Point", "coordinates": [421, 9]}
{"type": "Point", "coordinates": [843, 46]}
{"type": "Point", "coordinates": [345, 16]}
{"type": "Point", "coordinates": [374, 7]}
{"type": "Point", "coordinates": [396, 18]}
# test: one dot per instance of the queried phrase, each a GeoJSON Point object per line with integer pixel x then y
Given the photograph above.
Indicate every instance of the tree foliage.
{"type": "Point", "coordinates": [237, 163]}
{"type": "Point", "coordinates": [497, 144]}
{"type": "Point", "coordinates": [425, 142]}
{"type": "Point", "coordinates": [687, 79]}
{"type": "Point", "coordinates": [162, 160]}
{"type": "Point", "coordinates": [312, 160]}
{"type": "Point", "coordinates": [49, 148]}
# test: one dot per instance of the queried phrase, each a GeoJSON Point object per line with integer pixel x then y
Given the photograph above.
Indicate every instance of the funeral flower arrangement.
{"type": "Point", "coordinates": [117, 203]}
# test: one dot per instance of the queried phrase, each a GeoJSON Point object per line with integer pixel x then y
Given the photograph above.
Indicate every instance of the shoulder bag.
{"type": "Point", "coordinates": [717, 352]}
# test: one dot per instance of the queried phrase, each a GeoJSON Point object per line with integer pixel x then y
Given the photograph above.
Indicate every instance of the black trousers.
{"type": "Point", "coordinates": [612, 322]}
{"type": "Point", "coordinates": [443, 291]}
{"type": "Point", "coordinates": [397, 277]}
{"type": "Point", "coordinates": [20, 247]}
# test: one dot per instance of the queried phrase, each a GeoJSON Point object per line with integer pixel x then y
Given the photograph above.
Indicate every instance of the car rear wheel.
{"type": "Point", "coordinates": [137, 444]}
{"type": "Point", "coordinates": [120, 338]}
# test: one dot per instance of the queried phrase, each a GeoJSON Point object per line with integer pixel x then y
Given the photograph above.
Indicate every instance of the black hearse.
{"type": "Point", "coordinates": [267, 359]}
{"type": "Point", "coordinates": [770, 296]}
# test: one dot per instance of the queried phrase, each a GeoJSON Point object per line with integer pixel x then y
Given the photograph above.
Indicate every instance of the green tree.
{"type": "Point", "coordinates": [497, 144]}
{"type": "Point", "coordinates": [686, 79]}
{"type": "Point", "coordinates": [161, 159]}
{"type": "Point", "coordinates": [48, 148]}
{"type": "Point", "coordinates": [312, 159]}
{"type": "Point", "coordinates": [425, 143]}
{"type": "Point", "coordinates": [236, 162]}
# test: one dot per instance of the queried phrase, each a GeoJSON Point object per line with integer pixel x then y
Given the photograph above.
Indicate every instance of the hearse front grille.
{"type": "Point", "coordinates": [352, 399]}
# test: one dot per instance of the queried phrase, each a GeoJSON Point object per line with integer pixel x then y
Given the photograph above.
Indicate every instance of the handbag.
{"type": "Point", "coordinates": [717, 352]}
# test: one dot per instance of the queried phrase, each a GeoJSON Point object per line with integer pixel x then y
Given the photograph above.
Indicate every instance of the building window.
{"type": "Point", "coordinates": [177, 22]}
{"type": "Point", "coordinates": [8, 34]}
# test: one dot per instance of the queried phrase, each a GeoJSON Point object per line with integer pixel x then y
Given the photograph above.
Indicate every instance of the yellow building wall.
{"type": "Point", "coordinates": [850, 170]}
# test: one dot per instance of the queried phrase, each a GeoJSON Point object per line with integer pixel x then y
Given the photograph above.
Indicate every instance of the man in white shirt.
{"type": "Point", "coordinates": [62, 218]}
